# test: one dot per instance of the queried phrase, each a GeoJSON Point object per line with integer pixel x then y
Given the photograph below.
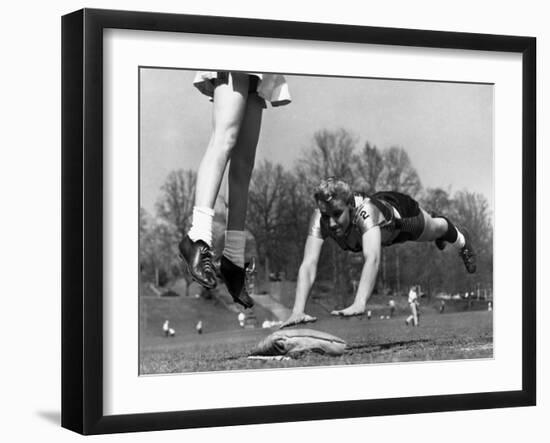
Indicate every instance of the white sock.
{"type": "Point", "coordinates": [460, 240]}
{"type": "Point", "coordinates": [234, 247]}
{"type": "Point", "coordinates": [201, 226]}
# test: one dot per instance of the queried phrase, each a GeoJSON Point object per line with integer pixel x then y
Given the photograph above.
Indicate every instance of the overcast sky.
{"type": "Point", "coordinates": [446, 128]}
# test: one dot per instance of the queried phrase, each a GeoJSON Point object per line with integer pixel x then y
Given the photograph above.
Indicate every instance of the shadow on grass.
{"type": "Point", "coordinates": [384, 346]}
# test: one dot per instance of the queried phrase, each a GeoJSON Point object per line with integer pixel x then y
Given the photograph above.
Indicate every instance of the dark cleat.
{"type": "Point", "coordinates": [198, 257]}
{"type": "Point", "coordinates": [440, 244]}
{"type": "Point", "coordinates": [467, 253]}
{"type": "Point", "coordinates": [234, 278]}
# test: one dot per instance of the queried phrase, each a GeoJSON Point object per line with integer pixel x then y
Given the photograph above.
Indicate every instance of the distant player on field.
{"type": "Point", "coordinates": [241, 318]}
{"type": "Point", "coordinates": [391, 304]}
{"type": "Point", "coordinates": [198, 327]}
{"type": "Point", "coordinates": [413, 304]}
{"type": "Point", "coordinates": [361, 223]}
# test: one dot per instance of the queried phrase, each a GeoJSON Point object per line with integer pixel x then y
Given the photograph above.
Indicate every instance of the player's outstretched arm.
{"type": "Point", "coordinates": [297, 318]}
{"type": "Point", "coordinates": [372, 248]}
{"type": "Point", "coordinates": [306, 277]}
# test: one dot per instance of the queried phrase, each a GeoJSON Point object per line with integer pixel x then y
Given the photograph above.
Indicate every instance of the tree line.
{"type": "Point", "coordinates": [280, 206]}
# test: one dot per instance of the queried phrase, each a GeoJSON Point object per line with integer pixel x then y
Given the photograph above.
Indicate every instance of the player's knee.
{"type": "Point", "coordinates": [225, 140]}
{"type": "Point", "coordinates": [438, 224]}
{"type": "Point", "coordinates": [440, 227]}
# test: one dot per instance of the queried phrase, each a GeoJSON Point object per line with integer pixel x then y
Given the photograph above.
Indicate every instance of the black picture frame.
{"type": "Point", "coordinates": [82, 220]}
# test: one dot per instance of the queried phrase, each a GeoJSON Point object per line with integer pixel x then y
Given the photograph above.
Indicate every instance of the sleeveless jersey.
{"type": "Point", "coordinates": [366, 213]}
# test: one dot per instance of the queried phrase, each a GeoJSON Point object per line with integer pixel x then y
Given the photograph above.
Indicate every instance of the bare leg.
{"type": "Point", "coordinates": [228, 110]}
{"type": "Point", "coordinates": [434, 227]}
{"type": "Point", "coordinates": [242, 163]}
{"type": "Point", "coordinates": [230, 102]}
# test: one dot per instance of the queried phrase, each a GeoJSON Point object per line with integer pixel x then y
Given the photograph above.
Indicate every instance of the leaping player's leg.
{"type": "Point", "coordinates": [232, 265]}
{"type": "Point", "coordinates": [228, 109]}
{"type": "Point", "coordinates": [242, 163]}
{"type": "Point", "coordinates": [441, 230]}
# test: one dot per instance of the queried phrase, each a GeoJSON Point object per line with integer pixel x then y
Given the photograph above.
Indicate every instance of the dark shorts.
{"type": "Point", "coordinates": [411, 225]}
{"type": "Point", "coordinates": [223, 78]}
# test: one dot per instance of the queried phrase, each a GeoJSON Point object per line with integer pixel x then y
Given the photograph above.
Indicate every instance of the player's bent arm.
{"type": "Point", "coordinates": [307, 272]}
{"type": "Point", "coordinates": [372, 250]}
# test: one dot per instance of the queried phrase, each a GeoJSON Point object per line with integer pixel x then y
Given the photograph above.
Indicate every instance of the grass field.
{"type": "Point", "coordinates": [459, 334]}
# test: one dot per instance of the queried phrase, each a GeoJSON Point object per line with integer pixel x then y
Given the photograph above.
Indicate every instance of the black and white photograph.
{"type": "Point", "coordinates": [275, 221]}
{"type": "Point", "coordinates": [269, 221]}
{"type": "Point", "coordinates": [290, 221]}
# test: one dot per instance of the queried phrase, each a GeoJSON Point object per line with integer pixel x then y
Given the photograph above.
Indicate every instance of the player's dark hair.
{"type": "Point", "coordinates": [333, 188]}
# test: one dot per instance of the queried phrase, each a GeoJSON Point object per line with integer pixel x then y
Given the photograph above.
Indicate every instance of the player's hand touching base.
{"type": "Point", "coordinates": [350, 311]}
{"type": "Point", "coordinates": [296, 319]}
